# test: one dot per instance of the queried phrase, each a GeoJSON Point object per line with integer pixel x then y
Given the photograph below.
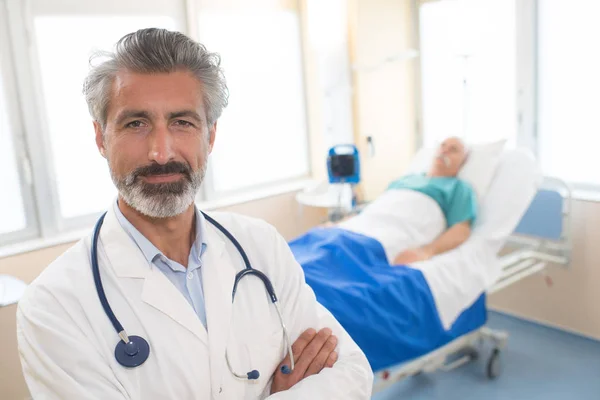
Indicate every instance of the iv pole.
{"type": "Point", "coordinates": [465, 100]}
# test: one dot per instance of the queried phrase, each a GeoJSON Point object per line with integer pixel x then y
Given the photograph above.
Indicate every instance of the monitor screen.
{"type": "Point", "coordinates": [342, 165]}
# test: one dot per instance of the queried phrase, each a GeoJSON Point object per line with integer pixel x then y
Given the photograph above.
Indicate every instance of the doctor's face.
{"type": "Point", "coordinates": [156, 140]}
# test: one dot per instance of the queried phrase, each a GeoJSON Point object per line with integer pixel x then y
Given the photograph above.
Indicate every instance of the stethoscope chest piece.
{"type": "Point", "coordinates": [134, 353]}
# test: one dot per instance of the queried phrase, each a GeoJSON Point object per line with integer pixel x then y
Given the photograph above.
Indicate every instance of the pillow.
{"type": "Point", "coordinates": [478, 170]}
{"type": "Point", "coordinates": [480, 167]}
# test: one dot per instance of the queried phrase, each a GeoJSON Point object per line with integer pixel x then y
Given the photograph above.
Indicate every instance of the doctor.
{"type": "Point", "coordinates": [166, 270]}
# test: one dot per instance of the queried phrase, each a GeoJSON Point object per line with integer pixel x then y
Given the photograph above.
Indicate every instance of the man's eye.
{"type": "Point", "coordinates": [134, 124]}
{"type": "Point", "coordinates": [183, 123]}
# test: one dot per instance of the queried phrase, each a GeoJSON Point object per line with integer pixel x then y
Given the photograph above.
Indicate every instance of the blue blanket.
{"type": "Point", "coordinates": [389, 311]}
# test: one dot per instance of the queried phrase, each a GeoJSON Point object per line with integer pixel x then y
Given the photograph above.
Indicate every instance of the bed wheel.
{"type": "Point", "coordinates": [493, 364]}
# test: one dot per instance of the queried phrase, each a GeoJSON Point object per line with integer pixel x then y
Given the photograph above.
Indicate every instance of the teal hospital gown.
{"type": "Point", "coordinates": [455, 197]}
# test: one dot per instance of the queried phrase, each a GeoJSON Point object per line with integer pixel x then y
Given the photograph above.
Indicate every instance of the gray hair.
{"type": "Point", "coordinates": [155, 50]}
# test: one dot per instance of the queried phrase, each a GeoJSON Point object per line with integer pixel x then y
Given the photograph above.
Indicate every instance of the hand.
{"type": "Point", "coordinates": [410, 256]}
{"type": "Point", "coordinates": [312, 352]}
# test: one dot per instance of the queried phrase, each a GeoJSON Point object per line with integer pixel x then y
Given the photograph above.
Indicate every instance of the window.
{"type": "Point", "coordinates": [568, 87]}
{"type": "Point", "coordinates": [262, 134]}
{"type": "Point", "coordinates": [327, 34]}
{"type": "Point", "coordinates": [12, 210]}
{"type": "Point", "coordinates": [17, 218]}
{"type": "Point", "coordinates": [54, 175]}
{"type": "Point", "coordinates": [468, 70]}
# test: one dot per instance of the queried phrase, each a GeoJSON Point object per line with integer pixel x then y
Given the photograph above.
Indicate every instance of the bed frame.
{"type": "Point", "coordinates": [543, 237]}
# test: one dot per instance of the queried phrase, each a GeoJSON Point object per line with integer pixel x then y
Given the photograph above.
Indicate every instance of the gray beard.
{"type": "Point", "coordinates": [159, 200]}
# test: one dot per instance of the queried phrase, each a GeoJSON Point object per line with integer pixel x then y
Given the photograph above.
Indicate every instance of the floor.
{"type": "Point", "coordinates": [537, 363]}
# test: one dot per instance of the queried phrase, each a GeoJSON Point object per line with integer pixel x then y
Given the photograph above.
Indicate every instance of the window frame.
{"type": "Point", "coordinates": [35, 128]}
{"type": "Point", "coordinates": [15, 122]}
{"type": "Point", "coordinates": [208, 193]}
{"type": "Point", "coordinates": [527, 74]}
{"type": "Point", "coordinates": [581, 190]}
{"type": "Point", "coordinates": [526, 88]}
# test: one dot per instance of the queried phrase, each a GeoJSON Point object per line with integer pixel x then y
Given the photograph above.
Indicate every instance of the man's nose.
{"type": "Point", "coordinates": [161, 146]}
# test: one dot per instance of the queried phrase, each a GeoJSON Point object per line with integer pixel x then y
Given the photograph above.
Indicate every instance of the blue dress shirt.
{"type": "Point", "coordinates": [187, 280]}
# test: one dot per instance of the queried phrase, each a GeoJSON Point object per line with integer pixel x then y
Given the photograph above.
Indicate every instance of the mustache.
{"type": "Point", "coordinates": [172, 167]}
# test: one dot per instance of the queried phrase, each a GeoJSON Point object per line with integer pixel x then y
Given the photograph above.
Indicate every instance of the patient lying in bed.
{"type": "Point", "coordinates": [422, 215]}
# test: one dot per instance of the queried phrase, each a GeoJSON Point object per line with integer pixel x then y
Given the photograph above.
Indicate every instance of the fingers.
{"type": "Point", "coordinates": [311, 351]}
{"type": "Point", "coordinates": [322, 357]}
{"type": "Point", "coordinates": [401, 258]}
{"type": "Point", "coordinates": [299, 345]}
{"type": "Point", "coordinates": [302, 342]}
{"type": "Point", "coordinates": [331, 359]}
{"type": "Point", "coordinates": [408, 256]}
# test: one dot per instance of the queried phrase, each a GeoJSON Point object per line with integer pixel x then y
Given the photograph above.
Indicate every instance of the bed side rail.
{"type": "Point", "coordinates": [545, 228]}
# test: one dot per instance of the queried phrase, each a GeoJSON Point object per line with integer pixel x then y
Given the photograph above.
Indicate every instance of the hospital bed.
{"type": "Point", "coordinates": [542, 238]}
{"type": "Point", "coordinates": [523, 226]}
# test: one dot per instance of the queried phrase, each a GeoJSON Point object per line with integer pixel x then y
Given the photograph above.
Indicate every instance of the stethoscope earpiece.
{"type": "Point", "coordinates": [285, 370]}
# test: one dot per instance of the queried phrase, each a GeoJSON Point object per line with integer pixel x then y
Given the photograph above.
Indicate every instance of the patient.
{"type": "Point", "coordinates": [422, 215]}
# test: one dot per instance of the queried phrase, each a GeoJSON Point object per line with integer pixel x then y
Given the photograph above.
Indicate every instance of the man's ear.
{"type": "Point", "coordinates": [99, 139]}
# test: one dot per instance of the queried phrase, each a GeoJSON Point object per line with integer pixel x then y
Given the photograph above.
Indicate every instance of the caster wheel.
{"type": "Point", "coordinates": [493, 365]}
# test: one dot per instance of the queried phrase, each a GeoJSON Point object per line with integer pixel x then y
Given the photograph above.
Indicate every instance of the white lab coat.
{"type": "Point", "coordinates": [67, 343]}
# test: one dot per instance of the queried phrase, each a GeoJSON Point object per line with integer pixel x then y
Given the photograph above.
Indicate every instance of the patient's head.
{"type": "Point", "coordinates": [450, 157]}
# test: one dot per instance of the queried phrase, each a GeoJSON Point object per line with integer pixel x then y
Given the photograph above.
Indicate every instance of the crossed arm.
{"type": "Point", "coordinates": [329, 364]}
{"type": "Point", "coordinates": [450, 239]}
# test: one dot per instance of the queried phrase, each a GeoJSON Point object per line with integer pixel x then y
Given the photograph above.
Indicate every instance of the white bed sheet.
{"type": "Point", "coordinates": [457, 278]}
{"type": "Point", "coordinates": [399, 219]}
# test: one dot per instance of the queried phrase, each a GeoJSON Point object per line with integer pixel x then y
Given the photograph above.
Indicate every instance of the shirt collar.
{"type": "Point", "coordinates": [148, 249]}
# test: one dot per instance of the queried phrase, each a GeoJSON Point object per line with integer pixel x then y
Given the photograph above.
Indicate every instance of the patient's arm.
{"type": "Point", "coordinates": [450, 239]}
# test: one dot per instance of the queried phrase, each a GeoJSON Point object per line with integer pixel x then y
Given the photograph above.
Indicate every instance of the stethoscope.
{"type": "Point", "coordinates": [133, 351]}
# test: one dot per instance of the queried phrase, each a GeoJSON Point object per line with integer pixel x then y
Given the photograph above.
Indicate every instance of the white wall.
{"type": "Point", "coordinates": [384, 97]}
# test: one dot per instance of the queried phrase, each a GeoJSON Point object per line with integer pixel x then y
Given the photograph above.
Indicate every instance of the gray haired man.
{"type": "Point", "coordinates": [168, 275]}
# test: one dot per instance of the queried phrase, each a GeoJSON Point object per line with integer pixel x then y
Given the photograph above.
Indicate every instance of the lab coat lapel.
{"type": "Point", "coordinates": [218, 277]}
{"type": "Point", "coordinates": [129, 262]}
{"type": "Point", "coordinates": [161, 294]}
